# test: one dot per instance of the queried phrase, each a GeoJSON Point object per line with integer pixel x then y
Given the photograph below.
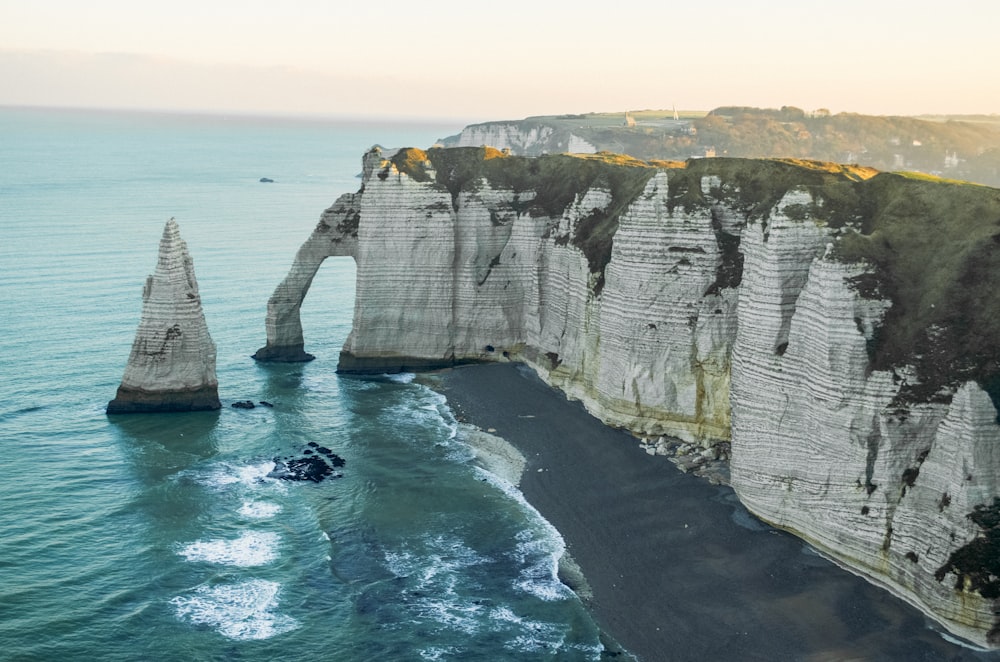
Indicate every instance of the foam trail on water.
{"type": "Point", "coordinates": [539, 548]}
{"type": "Point", "coordinates": [225, 474]}
{"type": "Point", "coordinates": [242, 611]}
{"type": "Point", "coordinates": [252, 548]}
{"type": "Point", "coordinates": [259, 509]}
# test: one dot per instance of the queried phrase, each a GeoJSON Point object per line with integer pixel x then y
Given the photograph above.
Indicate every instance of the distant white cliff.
{"type": "Point", "coordinates": [811, 314]}
{"type": "Point", "coordinates": [522, 138]}
{"type": "Point", "coordinates": [171, 367]}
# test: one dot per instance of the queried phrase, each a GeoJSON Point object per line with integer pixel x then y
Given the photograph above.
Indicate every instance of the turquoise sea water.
{"type": "Point", "coordinates": [161, 537]}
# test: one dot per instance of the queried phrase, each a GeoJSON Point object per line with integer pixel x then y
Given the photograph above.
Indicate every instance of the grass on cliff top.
{"type": "Point", "coordinates": [934, 243]}
{"type": "Point", "coordinates": [553, 181]}
{"type": "Point", "coordinates": [935, 246]}
{"type": "Point", "coordinates": [754, 186]}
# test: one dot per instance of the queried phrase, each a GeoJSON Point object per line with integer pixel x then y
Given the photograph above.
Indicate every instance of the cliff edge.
{"type": "Point", "coordinates": [171, 367]}
{"type": "Point", "coordinates": [836, 324]}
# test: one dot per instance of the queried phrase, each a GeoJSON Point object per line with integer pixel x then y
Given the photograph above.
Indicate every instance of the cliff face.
{"type": "Point", "coordinates": [523, 137]}
{"type": "Point", "coordinates": [172, 363]}
{"type": "Point", "coordinates": [834, 324]}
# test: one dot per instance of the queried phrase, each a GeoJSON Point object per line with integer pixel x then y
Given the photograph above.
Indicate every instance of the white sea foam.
{"type": "Point", "coordinates": [240, 611]}
{"type": "Point", "coordinates": [224, 474]}
{"type": "Point", "coordinates": [459, 615]}
{"type": "Point", "coordinates": [438, 566]}
{"type": "Point", "coordinates": [252, 548]}
{"type": "Point", "coordinates": [532, 635]}
{"type": "Point", "coordinates": [401, 377]}
{"type": "Point", "coordinates": [438, 652]}
{"type": "Point", "coordinates": [426, 410]}
{"type": "Point", "coordinates": [538, 549]}
{"type": "Point", "coordinates": [433, 575]}
{"type": "Point", "coordinates": [259, 509]}
{"type": "Point", "coordinates": [960, 642]}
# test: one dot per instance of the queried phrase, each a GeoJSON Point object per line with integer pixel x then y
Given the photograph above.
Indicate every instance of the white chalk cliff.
{"type": "Point", "coordinates": [756, 302]}
{"type": "Point", "coordinates": [171, 367]}
{"type": "Point", "coordinates": [522, 137]}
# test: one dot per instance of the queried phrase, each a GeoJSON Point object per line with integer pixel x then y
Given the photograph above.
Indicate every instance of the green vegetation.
{"type": "Point", "coordinates": [553, 182]}
{"type": "Point", "coordinates": [934, 248]}
{"type": "Point", "coordinates": [754, 187]}
{"type": "Point", "coordinates": [971, 143]}
{"type": "Point", "coordinates": [978, 562]}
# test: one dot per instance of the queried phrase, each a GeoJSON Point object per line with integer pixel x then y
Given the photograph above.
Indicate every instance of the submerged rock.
{"type": "Point", "coordinates": [172, 364]}
{"type": "Point", "coordinates": [318, 463]}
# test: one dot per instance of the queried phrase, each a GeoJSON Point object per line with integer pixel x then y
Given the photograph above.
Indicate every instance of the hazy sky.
{"type": "Point", "coordinates": [501, 59]}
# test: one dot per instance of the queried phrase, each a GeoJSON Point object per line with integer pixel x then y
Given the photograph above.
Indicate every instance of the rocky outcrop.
{"type": "Point", "coordinates": [335, 234]}
{"type": "Point", "coordinates": [836, 325]}
{"type": "Point", "coordinates": [171, 367]}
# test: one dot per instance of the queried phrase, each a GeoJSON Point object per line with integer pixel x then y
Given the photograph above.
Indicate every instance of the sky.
{"type": "Point", "coordinates": [504, 59]}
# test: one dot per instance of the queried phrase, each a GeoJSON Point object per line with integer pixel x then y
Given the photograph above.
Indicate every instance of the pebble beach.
{"type": "Point", "coordinates": [674, 568]}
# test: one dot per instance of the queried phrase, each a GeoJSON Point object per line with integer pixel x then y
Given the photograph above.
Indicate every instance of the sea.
{"type": "Point", "coordinates": [163, 537]}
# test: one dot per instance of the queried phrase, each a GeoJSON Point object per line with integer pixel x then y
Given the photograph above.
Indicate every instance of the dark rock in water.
{"type": "Point", "coordinates": [244, 404]}
{"type": "Point", "coordinates": [294, 353]}
{"type": "Point", "coordinates": [334, 459]}
{"type": "Point", "coordinates": [137, 401]}
{"type": "Point", "coordinates": [266, 180]}
{"type": "Point", "coordinates": [313, 468]}
{"type": "Point", "coordinates": [265, 403]}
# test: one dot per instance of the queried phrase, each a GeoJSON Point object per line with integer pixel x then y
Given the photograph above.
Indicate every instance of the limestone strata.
{"type": "Point", "coordinates": [171, 367]}
{"type": "Point", "coordinates": [715, 302]}
{"type": "Point", "coordinates": [820, 450]}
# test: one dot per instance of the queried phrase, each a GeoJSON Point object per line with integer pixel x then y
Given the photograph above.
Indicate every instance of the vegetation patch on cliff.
{"type": "Point", "coordinates": [977, 564]}
{"type": "Point", "coordinates": [934, 246]}
{"type": "Point", "coordinates": [753, 187]}
{"type": "Point", "coordinates": [551, 183]}
{"type": "Point", "coordinates": [965, 147]}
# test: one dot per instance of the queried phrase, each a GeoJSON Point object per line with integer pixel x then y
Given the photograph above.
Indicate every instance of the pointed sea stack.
{"type": "Point", "coordinates": [172, 364]}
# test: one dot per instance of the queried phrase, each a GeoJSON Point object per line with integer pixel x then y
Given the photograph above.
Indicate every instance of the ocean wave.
{"type": "Point", "coordinates": [436, 567]}
{"type": "Point", "coordinates": [401, 377]}
{"type": "Point", "coordinates": [425, 409]}
{"type": "Point", "coordinates": [533, 636]}
{"type": "Point", "coordinates": [224, 474]}
{"type": "Point", "coordinates": [439, 653]}
{"type": "Point", "coordinates": [458, 615]}
{"type": "Point", "coordinates": [243, 611]}
{"type": "Point", "coordinates": [437, 583]}
{"type": "Point", "coordinates": [252, 548]}
{"type": "Point", "coordinates": [259, 509]}
{"type": "Point", "coordinates": [539, 548]}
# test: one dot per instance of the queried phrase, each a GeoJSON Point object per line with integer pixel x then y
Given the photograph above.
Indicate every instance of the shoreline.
{"type": "Point", "coordinates": [678, 569]}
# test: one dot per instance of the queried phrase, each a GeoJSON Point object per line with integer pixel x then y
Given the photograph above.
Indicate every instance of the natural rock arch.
{"type": "Point", "coordinates": [336, 234]}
